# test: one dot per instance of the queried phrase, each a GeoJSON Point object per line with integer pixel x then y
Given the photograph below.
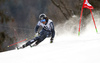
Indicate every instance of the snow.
{"type": "Point", "coordinates": [71, 51]}
{"type": "Point", "coordinates": [65, 49]}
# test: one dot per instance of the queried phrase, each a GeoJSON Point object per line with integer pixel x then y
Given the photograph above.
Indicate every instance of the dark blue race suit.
{"type": "Point", "coordinates": [47, 31]}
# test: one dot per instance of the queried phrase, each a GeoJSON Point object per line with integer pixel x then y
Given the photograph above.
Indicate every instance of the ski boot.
{"type": "Point", "coordinates": [23, 46]}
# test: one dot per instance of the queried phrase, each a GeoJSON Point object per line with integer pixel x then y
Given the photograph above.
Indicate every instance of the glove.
{"type": "Point", "coordinates": [36, 34]}
{"type": "Point", "coordinates": [51, 40]}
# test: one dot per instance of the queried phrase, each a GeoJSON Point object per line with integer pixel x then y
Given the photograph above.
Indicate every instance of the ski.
{"type": "Point", "coordinates": [33, 45]}
{"type": "Point", "coordinates": [19, 48]}
{"type": "Point", "coordinates": [30, 46]}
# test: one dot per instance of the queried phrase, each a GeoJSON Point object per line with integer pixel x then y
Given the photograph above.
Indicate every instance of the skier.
{"type": "Point", "coordinates": [47, 31]}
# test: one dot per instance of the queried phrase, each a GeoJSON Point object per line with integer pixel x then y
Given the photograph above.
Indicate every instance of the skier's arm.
{"type": "Point", "coordinates": [52, 30]}
{"type": "Point", "coordinates": [37, 27]}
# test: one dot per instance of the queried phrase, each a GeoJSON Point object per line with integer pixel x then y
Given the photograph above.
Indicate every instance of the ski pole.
{"type": "Point", "coordinates": [20, 41]}
{"type": "Point", "coordinates": [17, 42]}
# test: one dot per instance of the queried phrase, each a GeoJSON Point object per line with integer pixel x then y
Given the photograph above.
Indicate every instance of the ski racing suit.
{"type": "Point", "coordinates": [47, 31]}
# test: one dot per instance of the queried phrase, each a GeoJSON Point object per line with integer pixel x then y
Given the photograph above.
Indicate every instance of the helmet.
{"type": "Point", "coordinates": [42, 16]}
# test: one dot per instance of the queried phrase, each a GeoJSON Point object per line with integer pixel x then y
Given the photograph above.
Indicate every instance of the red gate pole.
{"type": "Point", "coordinates": [80, 22]}
{"type": "Point", "coordinates": [94, 21]}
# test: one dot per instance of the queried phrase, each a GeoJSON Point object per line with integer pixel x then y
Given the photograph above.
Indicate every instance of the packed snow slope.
{"type": "Point", "coordinates": [67, 48]}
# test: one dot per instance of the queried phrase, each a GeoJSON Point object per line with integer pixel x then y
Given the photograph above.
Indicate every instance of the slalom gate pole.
{"type": "Point", "coordinates": [17, 42]}
{"type": "Point", "coordinates": [80, 22]}
{"type": "Point", "coordinates": [94, 21]}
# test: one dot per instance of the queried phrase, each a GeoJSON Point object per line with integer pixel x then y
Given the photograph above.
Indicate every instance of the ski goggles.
{"type": "Point", "coordinates": [43, 20]}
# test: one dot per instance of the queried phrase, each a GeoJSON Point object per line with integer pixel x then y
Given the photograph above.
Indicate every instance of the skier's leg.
{"type": "Point", "coordinates": [28, 43]}
{"type": "Point", "coordinates": [41, 38]}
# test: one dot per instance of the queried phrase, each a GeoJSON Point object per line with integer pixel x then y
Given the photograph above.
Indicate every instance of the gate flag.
{"type": "Point", "coordinates": [86, 4]}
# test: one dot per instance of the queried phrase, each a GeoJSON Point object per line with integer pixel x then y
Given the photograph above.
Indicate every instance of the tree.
{"type": "Point", "coordinates": [62, 7]}
{"type": "Point", "coordinates": [3, 35]}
